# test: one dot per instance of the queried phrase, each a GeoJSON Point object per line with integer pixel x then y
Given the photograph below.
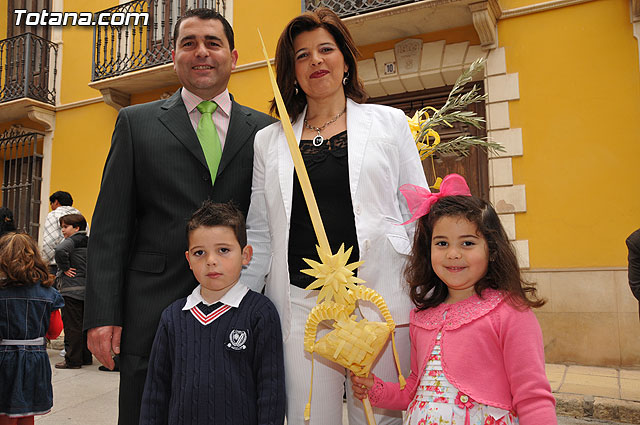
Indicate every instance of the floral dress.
{"type": "Point", "coordinates": [438, 402]}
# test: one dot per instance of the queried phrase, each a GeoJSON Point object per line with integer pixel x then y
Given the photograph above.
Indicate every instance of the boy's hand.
{"type": "Point", "coordinates": [361, 386]}
{"type": "Point", "coordinates": [71, 272]}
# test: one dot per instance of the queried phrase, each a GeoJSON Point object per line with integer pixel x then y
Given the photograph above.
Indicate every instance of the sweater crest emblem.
{"type": "Point", "coordinates": [237, 340]}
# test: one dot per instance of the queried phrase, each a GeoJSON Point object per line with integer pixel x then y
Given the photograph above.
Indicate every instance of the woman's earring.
{"type": "Point", "coordinates": [345, 80]}
{"type": "Point", "coordinates": [295, 85]}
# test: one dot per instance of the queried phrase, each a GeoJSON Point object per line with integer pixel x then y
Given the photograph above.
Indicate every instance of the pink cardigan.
{"type": "Point", "coordinates": [491, 351]}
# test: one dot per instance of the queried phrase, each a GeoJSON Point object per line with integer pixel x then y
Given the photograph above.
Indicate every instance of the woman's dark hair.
{"type": "Point", "coordinates": [285, 58]}
{"type": "Point", "coordinates": [21, 263]}
{"type": "Point", "coordinates": [6, 221]}
{"type": "Point", "coordinates": [503, 272]}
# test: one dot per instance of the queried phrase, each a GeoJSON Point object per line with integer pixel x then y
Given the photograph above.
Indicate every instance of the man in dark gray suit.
{"type": "Point", "coordinates": [155, 176]}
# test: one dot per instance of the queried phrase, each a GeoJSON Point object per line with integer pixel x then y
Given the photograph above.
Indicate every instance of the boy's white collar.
{"type": "Point", "coordinates": [232, 298]}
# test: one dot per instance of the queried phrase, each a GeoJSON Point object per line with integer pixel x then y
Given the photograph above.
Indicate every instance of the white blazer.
{"type": "Point", "coordinates": [382, 157]}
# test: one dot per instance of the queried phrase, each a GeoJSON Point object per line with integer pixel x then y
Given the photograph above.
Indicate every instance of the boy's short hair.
{"type": "Point", "coordinates": [74, 220]}
{"type": "Point", "coordinates": [212, 214]}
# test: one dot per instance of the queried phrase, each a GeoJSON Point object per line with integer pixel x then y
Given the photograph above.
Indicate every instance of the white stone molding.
{"type": "Point", "coordinates": [540, 7]}
{"type": "Point", "coordinates": [503, 88]}
{"type": "Point", "coordinates": [522, 253]}
{"type": "Point", "coordinates": [635, 10]}
{"type": "Point", "coordinates": [496, 62]}
{"type": "Point", "coordinates": [408, 57]}
{"type": "Point", "coordinates": [387, 68]}
{"type": "Point", "coordinates": [45, 185]}
{"type": "Point", "coordinates": [369, 75]}
{"type": "Point", "coordinates": [413, 65]}
{"type": "Point", "coordinates": [115, 98]}
{"type": "Point", "coordinates": [485, 15]}
{"type": "Point", "coordinates": [508, 199]}
{"type": "Point", "coordinates": [79, 103]}
{"type": "Point", "coordinates": [453, 61]}
{"type": "Point", "coordinates": [510, 139]}
{"type": "Point", "coordinates": [509, 223]}
{"type": "Point", "coordinates": [431, 63]}
{"type": "Point", "coordinates": [42, 116]}
{"type": "Point", "coordinates": [498, 116]}
{"type": "Point", "coordinates": [500, 172]}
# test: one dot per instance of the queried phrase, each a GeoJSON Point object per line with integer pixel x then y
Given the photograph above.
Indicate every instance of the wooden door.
{"type": "Point", "coordinates": [475, 167]}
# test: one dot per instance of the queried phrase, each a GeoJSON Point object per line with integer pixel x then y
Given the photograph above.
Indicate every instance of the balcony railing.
{"type": "Point", "coordinates": [142, 43]}
{"type": "Point", "coordinates": [28, 68]}
{"type": "Point", "coordinates": [346, 8]}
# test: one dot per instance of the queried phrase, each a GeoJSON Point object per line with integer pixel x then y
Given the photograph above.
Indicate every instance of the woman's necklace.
{"type": "Point", "coordinates": [318, 140]}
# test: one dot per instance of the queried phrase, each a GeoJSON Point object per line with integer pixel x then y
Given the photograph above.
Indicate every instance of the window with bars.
{"type": "Point", "coordinates": [21, 172]}
{"type": "Point", "coordinates": [475, 167]}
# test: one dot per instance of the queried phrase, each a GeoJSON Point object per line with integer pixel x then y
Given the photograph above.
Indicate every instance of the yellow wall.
{"type": "Point", "coordinates": [80, 145]}
{"type": "Point", "coordinates": [252, 87]}
{"type": "Point", "coordinates": [77, 51]}
{"type": "Point", "coordinates": [4, 7]}
{"type": "Point", "coordinates": [578, 109]}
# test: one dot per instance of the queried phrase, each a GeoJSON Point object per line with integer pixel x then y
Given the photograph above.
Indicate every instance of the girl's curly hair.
{"type": "Point", "coordinates": [21, 263]}
{"type": "Point", "coordinates": [503, 273]}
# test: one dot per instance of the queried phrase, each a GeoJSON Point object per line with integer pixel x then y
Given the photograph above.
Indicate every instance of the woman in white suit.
{"type": "Point", "coordinates": [357, 156]}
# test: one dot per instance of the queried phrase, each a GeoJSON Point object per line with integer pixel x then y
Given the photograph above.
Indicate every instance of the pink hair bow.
{"type": "Point", "coordinates": [420, 200]}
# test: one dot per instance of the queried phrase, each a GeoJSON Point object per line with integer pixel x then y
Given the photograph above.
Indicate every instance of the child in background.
{"type": "Point", "coordinates": [477, 354]}
{"type": "Point", "coordinates": [71, 258]}
{"type": "Point", "coordinates": [29, 312]}
{"type": "Point", "coordinates": [6, 221]}
{"type": "Point", "coordinates": [217, 356]}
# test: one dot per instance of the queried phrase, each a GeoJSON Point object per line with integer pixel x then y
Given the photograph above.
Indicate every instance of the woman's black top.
{"type": "Point", "coordinates": [328, 169]}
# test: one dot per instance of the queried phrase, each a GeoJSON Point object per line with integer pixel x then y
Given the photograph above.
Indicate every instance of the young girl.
{"type": "Point", "coordinates": [477, 354]}
{"type": "Point", "coordinates": [29, 312]}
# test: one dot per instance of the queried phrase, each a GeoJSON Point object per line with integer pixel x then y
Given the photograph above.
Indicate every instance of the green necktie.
{"type": "Point", "coordinates": [208, 136]}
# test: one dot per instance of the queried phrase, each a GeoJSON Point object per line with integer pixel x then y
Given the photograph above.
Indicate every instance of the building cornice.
{"type": "Point", "coordinates": [541, 7]}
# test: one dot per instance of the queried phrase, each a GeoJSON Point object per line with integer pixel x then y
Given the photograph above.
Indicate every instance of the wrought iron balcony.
{"type": "Point", "coordinates": [346, 8]}
{"type": "Point", "coordinates": [28, 68]}
{"type": "Point", "coordinates": [142, 43]}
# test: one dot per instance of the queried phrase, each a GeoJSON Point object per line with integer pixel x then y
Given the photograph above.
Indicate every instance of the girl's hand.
{"type": "Point", "coordinates": [71, 272]}
{"type": "Point", "coordinates": [361, 386]}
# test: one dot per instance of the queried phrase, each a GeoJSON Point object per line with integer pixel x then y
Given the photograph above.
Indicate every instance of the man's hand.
{"type": "Point", "coordinates": [104, 340]}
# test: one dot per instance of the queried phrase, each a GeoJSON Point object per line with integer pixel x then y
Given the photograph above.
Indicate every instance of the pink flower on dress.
{"type": "Point", "coordinates": [464, 401]}
{"type": "Point", "coordinates": [423, 421]}
{"type": "Point", "coordinates": [493, 421]}
{"type": "Point", "coordinates": [421, 405]}
{"type": "Point", "coordinates": [434, 373]}
{"type": "Point", "coordinates": [440, 400]}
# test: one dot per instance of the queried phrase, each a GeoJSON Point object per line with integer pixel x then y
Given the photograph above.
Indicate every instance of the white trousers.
{"type": "Point", "coordinates": [328, 377]}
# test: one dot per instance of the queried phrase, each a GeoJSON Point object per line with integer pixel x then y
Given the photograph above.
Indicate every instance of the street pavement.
{"type": "Point", "coordinates": [585, 395]}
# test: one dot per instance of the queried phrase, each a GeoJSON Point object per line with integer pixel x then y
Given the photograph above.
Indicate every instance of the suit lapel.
{"type": "Point", "coordinates": [358, 129]}
{"type": "Point", "coordinates": [239, 133]}
{"type": "Point", "coordinates": [285, 164]}
{"type": "Point", "coordinates": [173, 115]}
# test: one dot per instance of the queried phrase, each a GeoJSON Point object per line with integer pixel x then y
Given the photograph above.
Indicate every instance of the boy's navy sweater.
{"type": "Point", "coordinates": [208, 375]}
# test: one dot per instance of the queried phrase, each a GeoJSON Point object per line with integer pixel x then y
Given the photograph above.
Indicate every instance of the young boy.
{"type": "Point", "coordinates": [217, 356]}
{"type": "Point", "coordinates": [71, 258]}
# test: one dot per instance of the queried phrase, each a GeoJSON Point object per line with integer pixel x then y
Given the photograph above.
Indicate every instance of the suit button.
{"type": "Point", "coordinates": [366, 245]}
{"type": "Point", "coordinates": [206, 177]}
{"type": "Point", "coordinates": [358, 209]}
